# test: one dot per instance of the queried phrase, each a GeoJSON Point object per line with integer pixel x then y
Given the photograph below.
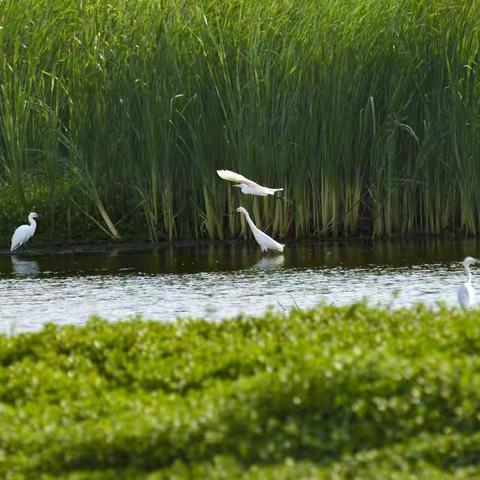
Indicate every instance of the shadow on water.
{"type": "Point", "coordinates": [216, 281]}
{"type": "Point", "coordinates": [230, 257]}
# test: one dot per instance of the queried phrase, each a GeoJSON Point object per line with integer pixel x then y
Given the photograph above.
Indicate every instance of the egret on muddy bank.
{"type": "Point", "coordinates": [24, 232]}
{"type": "Point", "coordinates": [465, 292]}
{"type": "Point", "coordinates": [249, 187]}
{"type": "Point", "coordinates": [265, 242]}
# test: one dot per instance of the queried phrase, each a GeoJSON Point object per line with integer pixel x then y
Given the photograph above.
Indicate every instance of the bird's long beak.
{"type": "Point", "coordinates": [230, 213]}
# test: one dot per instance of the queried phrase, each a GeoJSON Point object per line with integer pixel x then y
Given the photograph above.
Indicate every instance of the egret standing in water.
{"type": "Point", "coordinates": [466, 293]}
{"type": "Point", "coordinates": [24, 232]}
{"type": "Point", "coordinates": [249, 187]}
{"type": "Point", "coordinates": [265, 242]}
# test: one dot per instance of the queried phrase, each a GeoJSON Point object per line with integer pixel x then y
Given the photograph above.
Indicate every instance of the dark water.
{"type": "Point", "coordinates": [218, 281]}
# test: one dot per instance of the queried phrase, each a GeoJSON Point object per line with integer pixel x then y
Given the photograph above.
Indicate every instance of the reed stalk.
{"type": "Point", "coordinates": [367, 113]}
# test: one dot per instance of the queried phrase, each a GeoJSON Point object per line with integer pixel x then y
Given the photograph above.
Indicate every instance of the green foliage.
{"type": "Point", "coordinates": [334, 392]}
{"type": "Point", "coordinates": [59, 220]}
{"type": "Point", "coordinates": [366, 112]}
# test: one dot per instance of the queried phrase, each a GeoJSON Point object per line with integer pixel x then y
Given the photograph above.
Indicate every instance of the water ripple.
{"type": "Point", "coordinates": [28, 303]}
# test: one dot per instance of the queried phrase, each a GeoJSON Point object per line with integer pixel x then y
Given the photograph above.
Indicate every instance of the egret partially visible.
{"type": "Point", "coordinates": [24, 232]}
{"type": "Point", "coordinates": [249, 187]}
{"type": "Point", "coordinates": [265, 242]}
{"type": "Point", "coordinates": [465, 292]}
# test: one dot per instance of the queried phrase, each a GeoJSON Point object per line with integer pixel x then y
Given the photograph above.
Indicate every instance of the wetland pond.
{"type": "Point", "coordinates": [216, 281]}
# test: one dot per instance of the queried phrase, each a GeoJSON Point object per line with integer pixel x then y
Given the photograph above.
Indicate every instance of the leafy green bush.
{"type": "Point", "coordinates": [334, 392]}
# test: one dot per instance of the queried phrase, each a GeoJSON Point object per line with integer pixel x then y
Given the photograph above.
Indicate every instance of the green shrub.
{"type": "Point", "coordinates": [334, 392]}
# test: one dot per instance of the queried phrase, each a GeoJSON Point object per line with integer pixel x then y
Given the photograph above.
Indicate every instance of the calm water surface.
{"type": "Point", "coordinates": [218, 281]}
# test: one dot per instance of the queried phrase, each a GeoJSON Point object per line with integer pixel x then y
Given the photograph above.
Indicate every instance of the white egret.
{"type": "Point", "coordinates": [247, 186]}
{"type": "Point", "coordinates": [465, 292]}
{"type": "Point", "coordinates": [265, 242]}
{"type": "Point", "coordinates": [24, 232]}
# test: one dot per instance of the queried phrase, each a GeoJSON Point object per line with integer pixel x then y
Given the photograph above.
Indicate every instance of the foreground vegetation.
{"type": "Point", "coordinates": [114, 116]}
{"type": "Point", "coordinates": [350, 392]}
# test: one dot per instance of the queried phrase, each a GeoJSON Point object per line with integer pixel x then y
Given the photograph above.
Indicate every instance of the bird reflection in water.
{"type": "Point", "coordinates": [267, 263]}
{"type": "Point", "coordinates": [24, 267]}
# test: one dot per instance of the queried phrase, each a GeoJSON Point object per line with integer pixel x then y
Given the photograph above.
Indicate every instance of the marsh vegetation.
{"type": "Point", "coordinates": [114, 116]}
{"type": "Point", "coordinates": [350, 392]}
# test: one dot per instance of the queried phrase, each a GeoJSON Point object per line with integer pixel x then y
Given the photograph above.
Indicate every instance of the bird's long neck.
{"type": "Point", "coordinates": [469, 274]}
{"type": "Point", "coordinates": [33, 224]}
{"type": "Point", "coordinates": [250, 221]}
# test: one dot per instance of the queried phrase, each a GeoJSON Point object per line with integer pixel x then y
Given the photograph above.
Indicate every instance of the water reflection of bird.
{"type": "Point", "coordinates": [247, 186]}
{"type": "Point", "coordinates": [265, 242]}
{"type": "Point", "coordinates": [24, 267]}
{"type": "Point", "coordinates": [24, 232]}
{"type": "Point", "coordinates": [466, 293]}
{"type": "Point", "coordinates": [270, 262]}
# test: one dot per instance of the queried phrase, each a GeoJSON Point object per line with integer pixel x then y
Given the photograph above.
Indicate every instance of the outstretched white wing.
{"type": "Point", "coordinates": [236, 177]}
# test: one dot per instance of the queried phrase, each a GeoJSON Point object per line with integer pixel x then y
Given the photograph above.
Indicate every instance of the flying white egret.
{"type": "Point", "coordinates": [24, 232]}
{"type": "Point", "coordinates": [247, 186]}
{"type": "Point", "coordinates": [265, 242]}
{"type": "Point", "coordinates": [465, 292]}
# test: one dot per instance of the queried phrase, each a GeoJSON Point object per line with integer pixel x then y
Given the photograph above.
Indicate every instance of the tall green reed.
{"type": "Point", "coordinates": [367, 114]}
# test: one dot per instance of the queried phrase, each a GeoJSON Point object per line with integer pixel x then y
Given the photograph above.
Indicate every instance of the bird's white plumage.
{"type": "Point", "coordinates": [21, 235]}
{"type": "Point", "coordinates": [247, 186]}
{"type": "Point", "coordinates": [235, 177]}
{"type": "Point", "coordinates": [466, 295]}
{"type": "Point", "coordinates": [265, 242]}
{"type": "Point", "coordinates": [24, 232]}
{"type": "Point", "coordinates": [466, 292]}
